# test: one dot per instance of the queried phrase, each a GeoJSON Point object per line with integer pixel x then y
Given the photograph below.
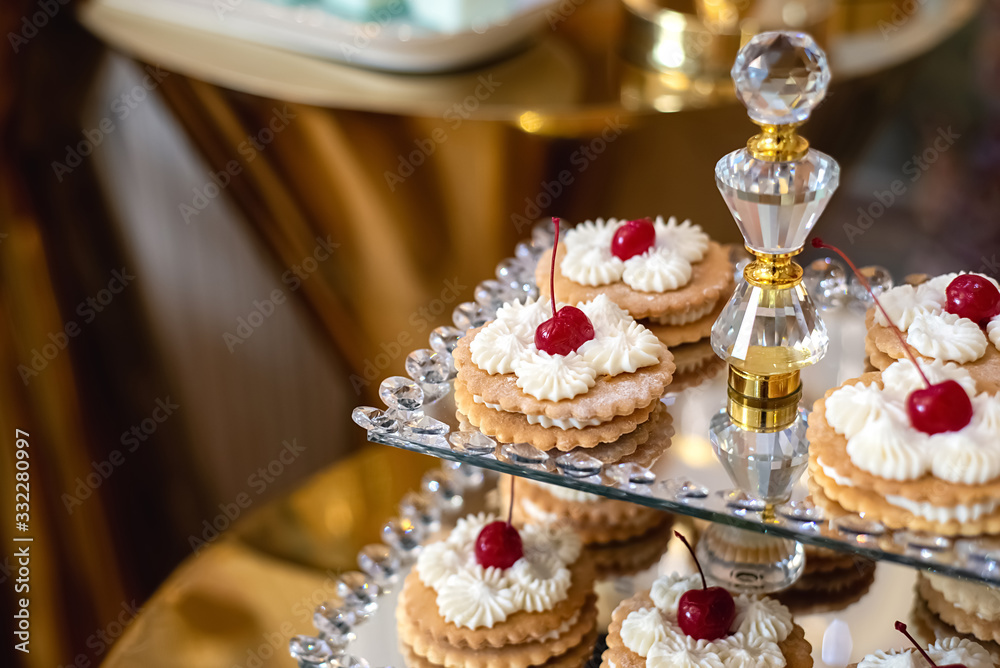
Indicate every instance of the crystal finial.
{"type": "Point", "coordinates": [781, 77]}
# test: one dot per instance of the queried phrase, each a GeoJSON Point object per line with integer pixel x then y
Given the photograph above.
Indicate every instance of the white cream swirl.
{"type": "Point", "coordinates": [683, 652]}
{"type": "Point", "coordinates": [625, 351]}
{"type": "Point", "coordinates": [943, 652]}
{"type": "Point", "coordinates": [606, 316]}
{"type": "Point", "coordinates": [475, 597]}
{"type": "Point", "coordinates": [592, 265]}
{"type": "Point", "coordinates": [641, 628]}
{"type": "Point", "coordinates": [467, 530]}
{"type": "Point", "coordinates": [738, 652]}
{"type": "Point", "coordinates": [439, 561]}
{"type": "Point", "coordinates": [496, 348]}
{"type": "Point", "coordinates": [588, 259]}
{"type": "Point", "coordinates": [686, 238]}
{"type": "Point", "coordinates": [761, 619]}
{"type": "Point", "coordinates": [539, 584]}
{"type": "Point", "coordinates": [554, 377]}
{"type": "Point", "coordinates": [946, 336]}
{"type": "Point", "coordinates": [960, 650]}
{"type": "Point", "coordinates": [903, 302]}
{"type": "Point", "coordinates": [853, 406]}
{"type": "Point", "coordinates": [523, 318]}
{"type": "Point", "coordinates": [993, 331]}
{"type": "Point", "coordinates": [686, 317]}
{"type": "Point", "coordinates": [888, 449]}
{"type": "Point", "coordinates": [980, 600]}
{"type": "Point", "coordinates": [886, 445]}
{"type": "Point", "coordinates": [657, 270]}
{"type": "Point", "coordinates": [666, 591]}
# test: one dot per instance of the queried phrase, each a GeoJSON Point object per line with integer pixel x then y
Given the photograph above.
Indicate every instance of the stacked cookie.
{"type": "Point", "coordinates": [934, 329]}
{"type": "Point", "coordinates": [943, 652]}
{"type": "Point", "coordinates": [621, 538]}
{"type": "Point", "coordinates": [968, 607]}
{"type": "Point", "coordinates": [668, 275]}
{"type": "Point", "coordinates": [539, 610]}
{"type": "Point", "coordinates": [606, 391]}
{"type": "Point", "coordinates": [866, 455]}
{"type": "Point", "coordinates": [645, 630]}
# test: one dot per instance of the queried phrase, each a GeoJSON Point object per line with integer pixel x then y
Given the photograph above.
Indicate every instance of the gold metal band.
{"type": "Point", "coordinates": [773, 271]}
{"type": "Point", "coordinates": [763, 403]}
{"type": "Point", "coordinates": [778, 143]}
{"type": "Point", "coordinates": [774, 386]}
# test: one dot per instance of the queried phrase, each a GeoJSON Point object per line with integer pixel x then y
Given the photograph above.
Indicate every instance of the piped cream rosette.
{"type": "Point", "coordinates": [645, 627]}
{"type": "Point", "coordinates": [931, 331]}
{"type": "Point", "coordinates": [607, 388]}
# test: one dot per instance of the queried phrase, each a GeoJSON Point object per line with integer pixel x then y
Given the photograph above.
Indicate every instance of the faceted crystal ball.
{"type": "Point", "coordinates": [781, 77]}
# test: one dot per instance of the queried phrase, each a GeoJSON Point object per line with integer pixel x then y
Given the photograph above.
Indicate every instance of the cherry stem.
{"type": "Point", "coordinates": [818, 243]}
{"type": "Point", "coordinates": [704, 585]}
{"type": "Point", "coordinates": [552, 272]}
{"type": "Point", "coordinates": [901, 627]}
{"type": "Point", "coordinates": [510, 511]}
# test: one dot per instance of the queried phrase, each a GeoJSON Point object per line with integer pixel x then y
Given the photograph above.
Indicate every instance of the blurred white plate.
{"type": "Point", "coordinates": [394, 44]}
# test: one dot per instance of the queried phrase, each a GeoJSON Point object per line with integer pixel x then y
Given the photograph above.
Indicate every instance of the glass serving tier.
{"type": "Point", "coordinates": [358, 629]}
{"type": "Point", "coordinates": [688, 479]}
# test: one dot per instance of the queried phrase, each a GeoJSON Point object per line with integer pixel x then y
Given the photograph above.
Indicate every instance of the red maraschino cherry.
{"type": "Point", "coordinates": [973, 297]}
{"type": "Point", "coordinates": [633, 238]}
{"type": "Point", "coordinates": [706, 613]}
{"type": "Point", "coordinates": [569, 327]}
{"type": "Point", "coordinates": [498, 543]}
{"type": "Point", "coordinates": [937, 408]}
{"type": "Point", "coordinates": [901, 627]}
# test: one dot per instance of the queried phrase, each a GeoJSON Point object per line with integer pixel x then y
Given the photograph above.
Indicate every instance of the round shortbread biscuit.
{"type": "Point", "coordinates": [611, 396]}
{"type": "Point", "coordinates": [711, 279]}
{"type": "Point", "coordinates": [515, 428]}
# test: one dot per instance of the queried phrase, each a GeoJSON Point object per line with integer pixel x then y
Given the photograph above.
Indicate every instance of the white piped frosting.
{"type": "Point", "coordinates": [471, 596]}
{"type": "Point", "coordinates": [945, 336]}
{"type": "Point", "coordinates": [930, 329]}
{"type": "Point", "coordinates": [666, 266]}
{"type": "Point", "coordinates": [545, 420]}
{"type": "Point", "coordinates": [759, 626]}
{"type": "Point", "coordinates": [686, 317]}
{"type": "Point", "coordinates": [881, 440]}
{"type": "Point", "coordinates": [942, 652]}
{"type": "Point", "coordinates": [507, 345]}
{"type": "Point", "coordinates": [657, 270]}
